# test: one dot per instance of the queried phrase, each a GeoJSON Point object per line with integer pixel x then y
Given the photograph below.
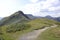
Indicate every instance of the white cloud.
{"type": "Point", "coordinates": [54, 8]}
{"type": "Point", "coordinates": [55, 15]}
{"type": "Point", "coordinates": [7, 7]}
{"type": "Point", "coordinates": [48, 3]}
{"type": "Point", "coordinates": [31, 8]}
{"type": "Point", "coordinates": [35, 8]}
{"type": "Point", "coordinates": [33, 1]}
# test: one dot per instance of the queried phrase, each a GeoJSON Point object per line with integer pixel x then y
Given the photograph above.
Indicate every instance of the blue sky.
{"type": "Point", "coordinates": [34, 7]}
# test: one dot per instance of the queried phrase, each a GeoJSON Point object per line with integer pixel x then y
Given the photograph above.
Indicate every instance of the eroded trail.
{"type": "Point", "coordinates": [34, 34]}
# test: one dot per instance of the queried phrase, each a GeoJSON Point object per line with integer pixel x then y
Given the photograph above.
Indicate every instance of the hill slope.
{"type": "Point", "coordinates": [19, 23]}
{"type": "Point", "coordinates": [50, 34]}
{"type": "Point", "coordinates": [14, 18]}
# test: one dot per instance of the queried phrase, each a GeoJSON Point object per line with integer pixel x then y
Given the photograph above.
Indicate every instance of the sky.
{"type": "Point", "coordinates": [34, 7]}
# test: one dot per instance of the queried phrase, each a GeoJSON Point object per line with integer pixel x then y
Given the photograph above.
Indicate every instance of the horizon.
{"type": "Point", "coordinates": [34, 7]}
{"type": "Point", "coordinates": [29, 14]}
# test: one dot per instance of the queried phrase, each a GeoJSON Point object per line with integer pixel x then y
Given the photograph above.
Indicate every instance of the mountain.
{"type": "Point", "coordinates": [49, 17]}
{"type": "Point", "coordinates": [54, 18]}
{"type": "Point", "coordinates": [1, 18]}
{"type": "Point", "coordinates": [57, 19]}
{"type": "Point", "coordinates": [17, 24]}
{"type": "Point", "coordinates": [14, 18]}
{"type": "Point", "coordinates": [31, 16]}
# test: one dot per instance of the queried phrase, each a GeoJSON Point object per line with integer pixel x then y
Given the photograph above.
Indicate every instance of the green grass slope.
{"type": "Point", "coordinates": [14, 25]}
{"type": "Point", "coordinates": [17, 24]}
{"type": "Point", "coordinates": [41, 23]}
{"type": "Point", "coordinates": [13, 31]}
{"type": "Point", "coordinates": [50, 34]}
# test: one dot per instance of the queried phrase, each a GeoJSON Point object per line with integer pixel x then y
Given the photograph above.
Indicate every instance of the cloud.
{"type": "Point", "coordinates": [43, 8]}
{"type": "Point", "coordinates": [33, 1]}
{"type": "Point", "coordinates": [54, 8]}
{"type": "Point", "coordinates": [8, 7]}
{"type": "Point", "coordinates": [31, 8]}
{"type": "Point", "coordinates": [35, 7]}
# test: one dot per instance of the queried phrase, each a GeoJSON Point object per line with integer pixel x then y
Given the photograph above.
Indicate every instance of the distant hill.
{"type": "Point", "coordinates": [54, 18]}
{"type": "Point", "coordinates": [58, 19]}
{"type": "Point", "coordinates": [14, 18]}
{"type": "Point", "coordinates": [49, 17]}
{"type": "Point", "coordinates": [1, 18]}
{"type": "Point", "coordinates": [31, 16]}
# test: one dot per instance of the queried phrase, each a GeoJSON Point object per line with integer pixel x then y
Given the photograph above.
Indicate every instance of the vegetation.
{"type": "Point", "coordinates": [50, 34]}
{"type": "Point", "coordinates": [14, 25]}
{"type": "Point", "coordinates": [17, 24]}
{"type": "Point", "coordinates": [17, 27]}
{"type": "Point", "coordinates": [12, 31]}
{"type": "Point", "coordinates": [41, 23]}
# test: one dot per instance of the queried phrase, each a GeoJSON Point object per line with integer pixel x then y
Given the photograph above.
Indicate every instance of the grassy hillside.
{"type": "Point", "coordinates": [41, 23]}
{"type": "Point", "coordinates": [13, 26]}
{"type": "Point", "coordinates": [13, 31]}
{"type": "Point", "coordinates": [50, 34]}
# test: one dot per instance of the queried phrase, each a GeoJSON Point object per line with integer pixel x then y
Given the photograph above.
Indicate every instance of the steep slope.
{"type": "Point", "coordinates": [31, 16]}
{"type": "Point", "coordinates": [14, 18]}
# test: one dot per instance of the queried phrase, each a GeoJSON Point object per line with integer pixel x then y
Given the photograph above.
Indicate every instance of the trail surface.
{"type": "Point", "coordinates": [34, 34]}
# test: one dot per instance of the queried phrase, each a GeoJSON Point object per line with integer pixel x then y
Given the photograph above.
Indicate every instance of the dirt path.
{"type": "Point", "coordinates": [34, 34]}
